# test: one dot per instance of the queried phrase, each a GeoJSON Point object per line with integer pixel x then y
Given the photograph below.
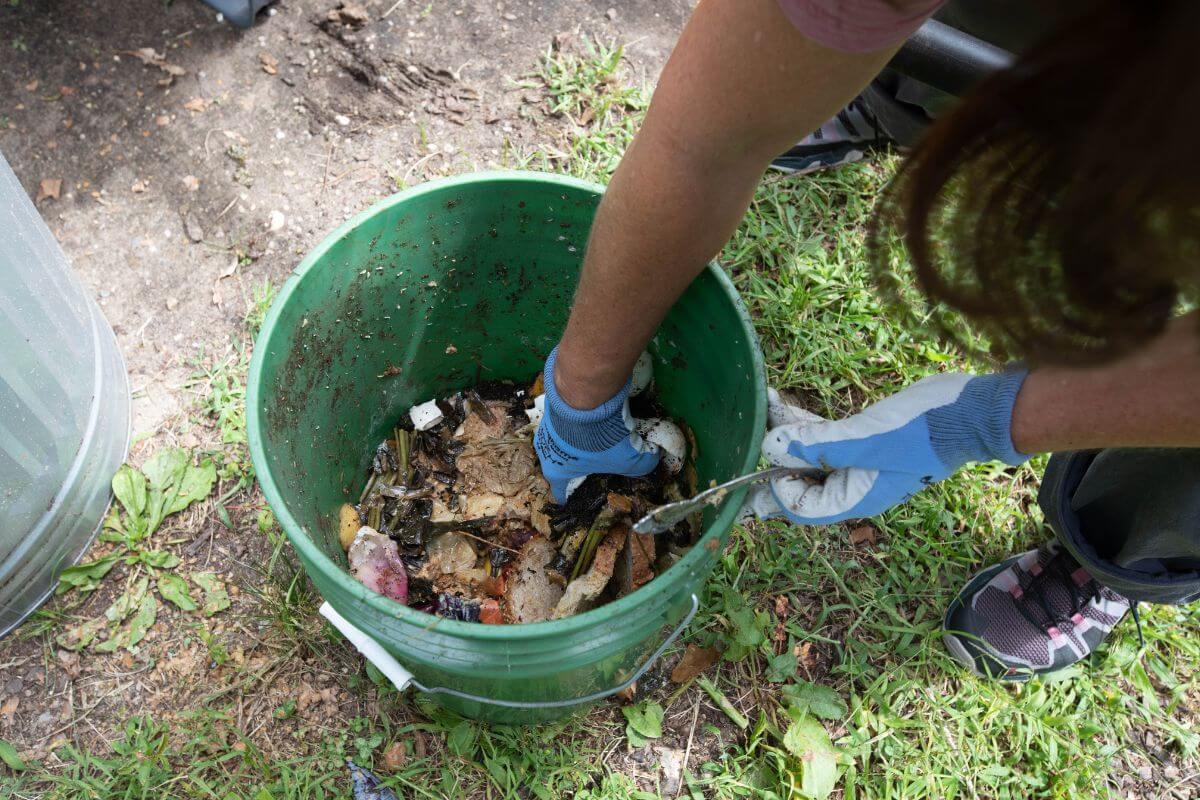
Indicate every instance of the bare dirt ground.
{"type": "Point", "coordinates": [183, 193]}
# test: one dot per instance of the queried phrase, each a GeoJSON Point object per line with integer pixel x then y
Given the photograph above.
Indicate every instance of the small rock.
{"type": "Point", "coordinates": [342, 119]}
{"type": "Point", "coordinates": [191, 183]}
{"type": "Point", "coordinates": [670, 761]}
{"type": "Point", "coordinates": [611, 13]}
{"type": "Point", "coordinates": [277, 221]}
{"type": "Point", "coordinates": [1145, 772]}
{"type": "Point", "coordinates": [14, 686]}
{"type": "Point", "coordinates": [171, 303]}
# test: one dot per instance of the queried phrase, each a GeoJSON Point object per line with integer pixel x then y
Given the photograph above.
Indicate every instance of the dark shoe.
{"type": "Point", "coordinates": [846, 138]}
{"type": "Point", "coordinates": [1032, 614]}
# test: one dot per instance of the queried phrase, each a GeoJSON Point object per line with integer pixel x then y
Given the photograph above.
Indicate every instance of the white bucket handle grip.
{"type": "Point", "coordinates": [401, 678]}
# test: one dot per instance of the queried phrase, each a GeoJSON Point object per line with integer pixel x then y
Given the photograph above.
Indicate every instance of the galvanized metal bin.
{"type": "Point", "coordinates": [64, 409]}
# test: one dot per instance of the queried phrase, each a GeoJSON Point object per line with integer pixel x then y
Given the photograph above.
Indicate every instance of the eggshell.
{"type": "Point", "coordinates": [668, 436]}
{"type": "Point", "coordinates": [643, 375]}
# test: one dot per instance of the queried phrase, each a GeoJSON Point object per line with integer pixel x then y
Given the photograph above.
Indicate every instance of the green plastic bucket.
{"type": "Point", "coordinates": [453, 282]}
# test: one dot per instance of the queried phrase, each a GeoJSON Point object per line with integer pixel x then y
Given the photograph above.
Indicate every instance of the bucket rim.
{"type": "Point", "coordinates": [307, 548]}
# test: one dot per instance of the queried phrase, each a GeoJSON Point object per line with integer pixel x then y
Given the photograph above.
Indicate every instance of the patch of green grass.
{"type": "Point", "coordinates": [221, 386]}
{"type": "Point", "coordinates": [286, 599]}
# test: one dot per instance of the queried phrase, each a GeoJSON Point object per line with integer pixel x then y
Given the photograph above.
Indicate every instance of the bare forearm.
{"type": "Point", "coordinates": [1149, 399]}
{"type": "Point", "coordinates": [660, 223]}
{"type": "Point", "coordinates": [740, 87]}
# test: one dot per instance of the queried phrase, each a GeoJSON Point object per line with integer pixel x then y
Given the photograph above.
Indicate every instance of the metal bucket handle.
{"type": "Point", "coordinates": [401, 678]}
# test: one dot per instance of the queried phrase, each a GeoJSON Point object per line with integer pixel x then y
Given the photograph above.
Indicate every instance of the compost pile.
{"type": "Point", "coordinates": [456, 519]}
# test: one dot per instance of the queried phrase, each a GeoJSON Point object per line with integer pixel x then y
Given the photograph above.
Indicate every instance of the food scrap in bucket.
{"type": "Point", "coordinates": [456, 519]}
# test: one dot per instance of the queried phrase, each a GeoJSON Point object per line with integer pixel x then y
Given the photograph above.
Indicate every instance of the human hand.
{"type": "Point", "coordinates": [888, 452]}
{"type": "Point", "coordinates": [572, 444]}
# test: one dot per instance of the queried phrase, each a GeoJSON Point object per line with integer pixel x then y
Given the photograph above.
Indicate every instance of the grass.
{"type": "Point", "coordinates": [908, 722]}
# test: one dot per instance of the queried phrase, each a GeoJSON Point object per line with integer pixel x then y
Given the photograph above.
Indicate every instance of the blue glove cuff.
{"type": "Point", "coordinates": [593, 430]}
{"type": "Point", "coordinates": [978, 425]}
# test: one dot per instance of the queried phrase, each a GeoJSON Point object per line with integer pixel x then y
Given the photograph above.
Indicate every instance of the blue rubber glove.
{"type": "Point", "coordinates": [891, 450]}
{"type": "Point", "coordinates": [572, 444]}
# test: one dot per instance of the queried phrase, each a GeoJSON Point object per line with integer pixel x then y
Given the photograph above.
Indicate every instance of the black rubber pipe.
{"type": "Point", "coordinates": [948, 59]}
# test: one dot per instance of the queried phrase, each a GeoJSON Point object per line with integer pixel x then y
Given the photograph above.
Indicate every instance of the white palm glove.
{"type": "Point", "coordinates": [888, 452]}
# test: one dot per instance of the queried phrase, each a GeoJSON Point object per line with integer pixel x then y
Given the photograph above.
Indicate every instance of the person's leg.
{"type": "Point", "coordinates": [1127, 524]}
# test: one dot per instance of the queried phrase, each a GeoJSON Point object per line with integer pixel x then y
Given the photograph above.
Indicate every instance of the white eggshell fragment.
{"type": "Point", "coordinates": [668, 437]}
{"type": "Point", "coordinates": [643, 374]}
{"type": "Point", "coordinates": [539, 408]}
{"type": "Point", "coordinates": [425, 415]}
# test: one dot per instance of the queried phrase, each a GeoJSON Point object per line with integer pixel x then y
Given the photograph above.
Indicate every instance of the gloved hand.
{"type": "Point", "coordinates": [891, 450]}
{"type": "Point", "coordinates": [572, 444]}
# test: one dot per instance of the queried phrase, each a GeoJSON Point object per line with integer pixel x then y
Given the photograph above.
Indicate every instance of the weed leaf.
{"type": "Point", "coordinates": [129, 486]}
{"type": "Point", "coordinates": [807, 740]}
{"type": "Point", "coordinates": [813, 698]}
{"type": "Point", "coordinates": [175, 589]}
{"type": "Point", "coordinates": [215, 597]}
{"type": "Point", "coordinates": [8, 754]}
{"type": "Point", "coordinates": [86, 577]}
{"type": "Point", "coordinates": [644, 721]}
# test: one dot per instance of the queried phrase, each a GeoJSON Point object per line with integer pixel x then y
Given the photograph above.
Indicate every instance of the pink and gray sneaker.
{"type": "Point", "coordinates": [1031, 614]}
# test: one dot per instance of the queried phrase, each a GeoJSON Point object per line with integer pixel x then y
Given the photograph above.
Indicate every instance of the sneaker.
{"type": "Point", "coordinates": [846, 138]}
{"type": "Point", "coordinates": [1032, 614]}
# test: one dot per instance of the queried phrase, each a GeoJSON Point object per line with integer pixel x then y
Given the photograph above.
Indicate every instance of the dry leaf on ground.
{"type": "Point", "coordinates": [270, 64]}
{"type": "Point", "coordinates": [695, 660]}
{"type": "Point", "coordinates": [863, 536]}
{"type": "Point", "coordinates": [196, 105]}
{"type": "Point", "coordinates": [49, 189]}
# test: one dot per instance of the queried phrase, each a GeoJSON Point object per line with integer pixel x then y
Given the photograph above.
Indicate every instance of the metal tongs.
{"type": "Point", "coordinates": [664, 518]}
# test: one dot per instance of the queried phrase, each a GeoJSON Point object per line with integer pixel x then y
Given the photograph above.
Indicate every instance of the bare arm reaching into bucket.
{"type": "Point", "coordinates": [742, 85]}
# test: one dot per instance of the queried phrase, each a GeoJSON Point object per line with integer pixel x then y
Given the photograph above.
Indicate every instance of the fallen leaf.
{"type": "Point", "coordinates": [781, 606]}
{"type": "Point", "coordinates": [162, 119]}
{"type": "Point", "coordinates": [69, 662]}
{"type": "Point", "coordinates": [138, 187]}
{"type": "Point", "coordinates": [349, 14]}
{"type": "Point", "coordinates": [152, 58]}
{"type": "Point", "coordinates": [49, 189]}
{"type": "Point", "coordinates": [9, 707]}
{"type": "Point", "coordinates": [864, 535]}
{"type": "Point", "coordinates": [31, 86]}
{"type": "Point", "coordinates": [192, 228]}
{"type": "Point", "coordinates": [805, 655]}
{"type": "Point", "coordinates": [196, 105]}
{"type": "Point", "coordinates": [270, 64]}
{"type": "Point", "coordinates": [395, 757]}
{"type": "Point", "coordinates": [66, 91]}
{"type": "Point", "coordinates": [228, 271]}
{"type": "Point", "coordinates": [191, 183]}
{"type": "Point", "coordinates": [695, 660]}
